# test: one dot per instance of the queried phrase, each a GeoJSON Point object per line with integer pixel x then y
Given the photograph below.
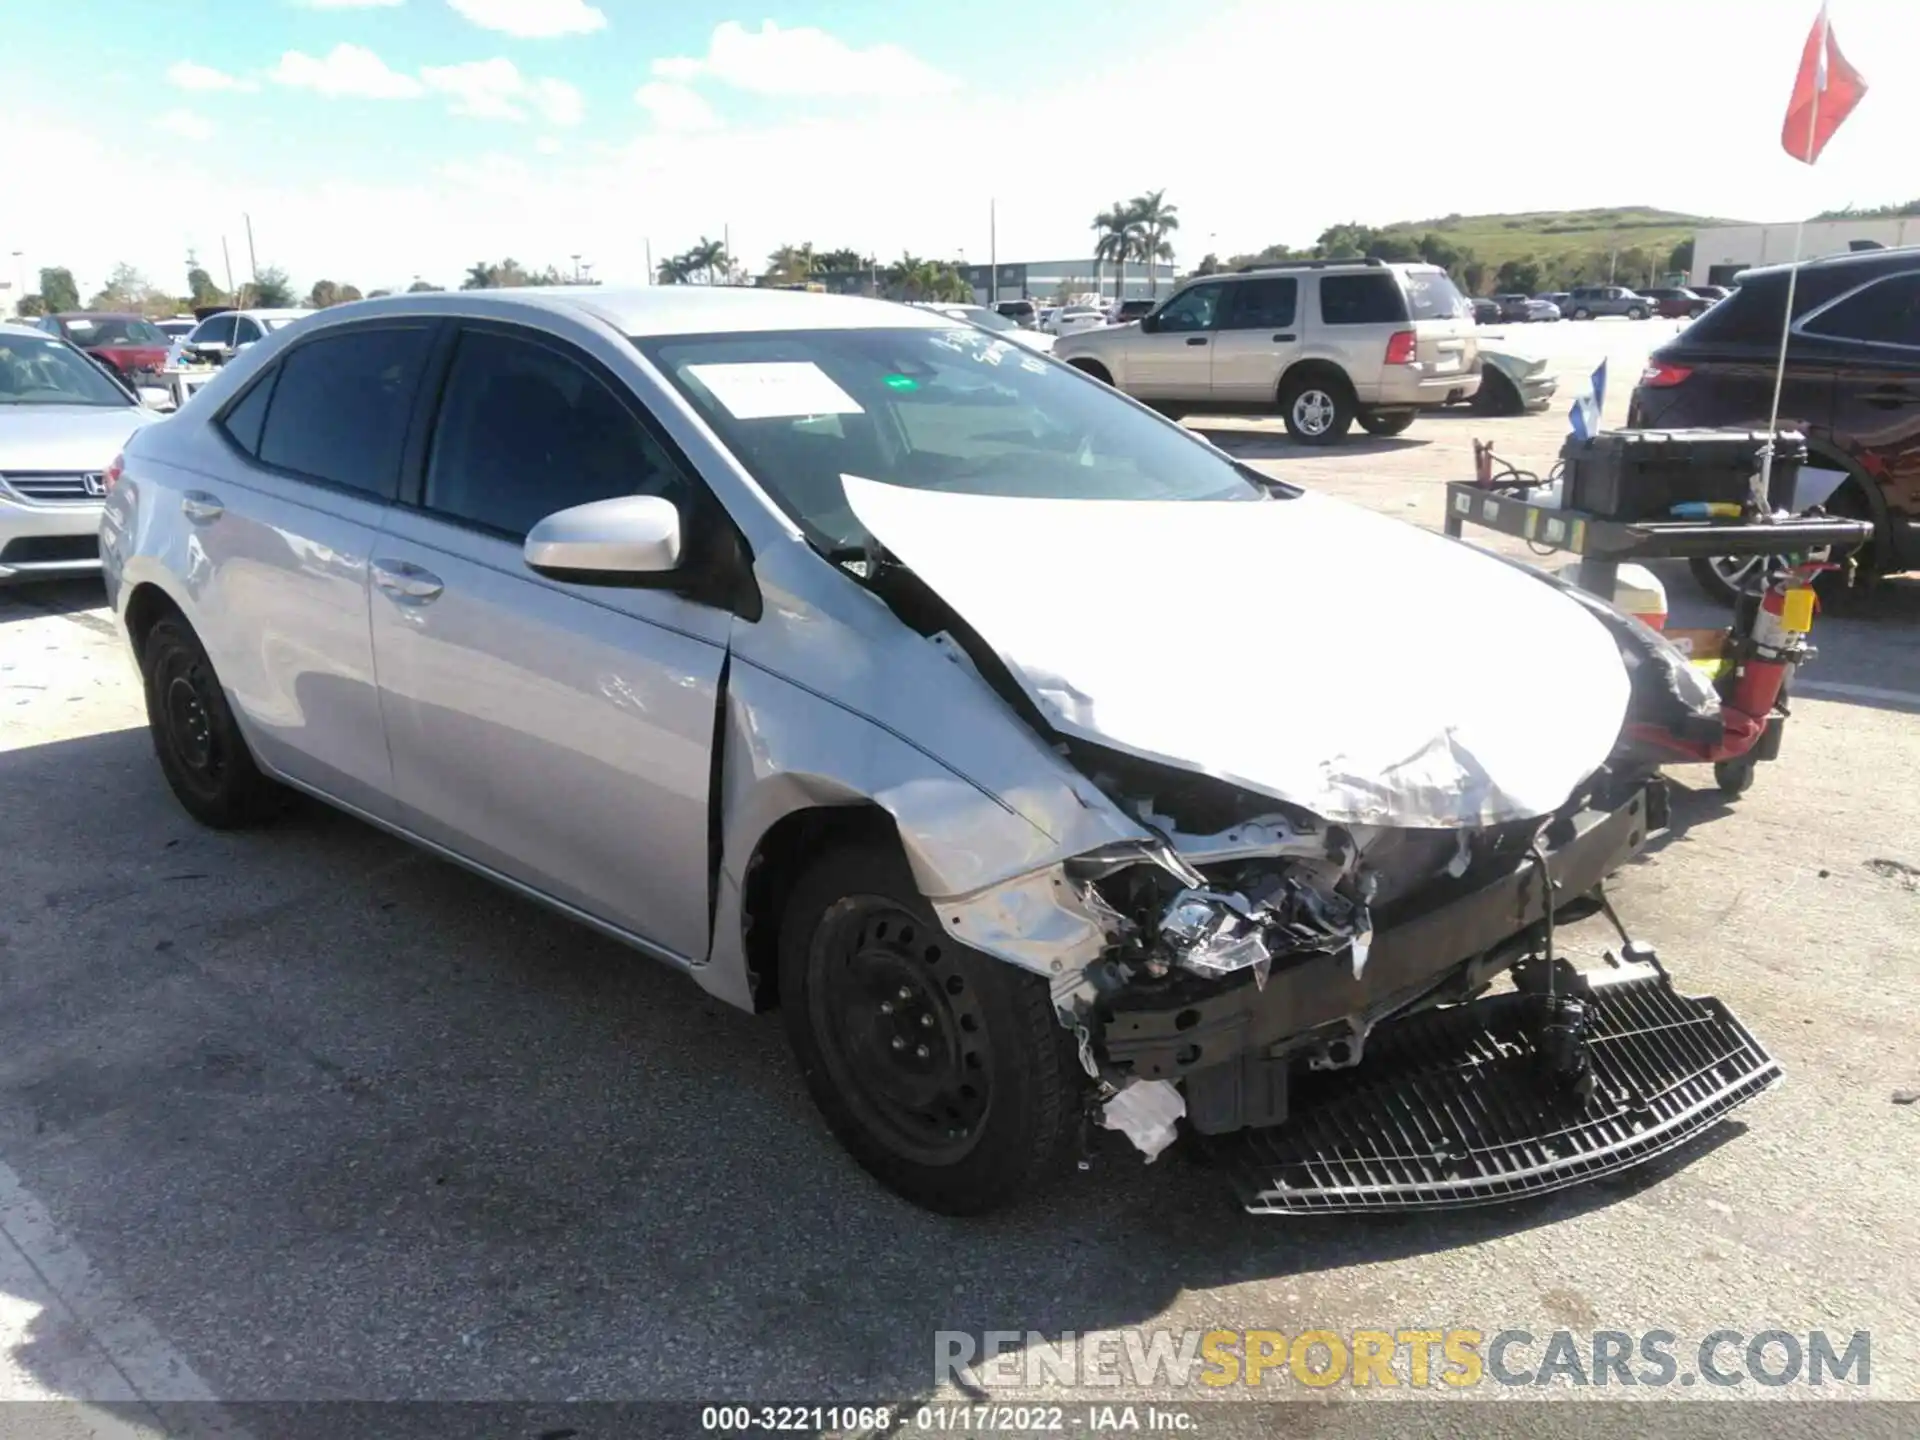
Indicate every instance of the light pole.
{"type": "Point", "coordinates": [576, 269]}
{"type": "Point", "coordinates": [19, 278]}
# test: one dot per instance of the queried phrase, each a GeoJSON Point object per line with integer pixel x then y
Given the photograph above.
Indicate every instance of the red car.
{"type": "Point", "coordinates": [130, 344]}
{"type": "Point", "coordinates": [1673, 304]}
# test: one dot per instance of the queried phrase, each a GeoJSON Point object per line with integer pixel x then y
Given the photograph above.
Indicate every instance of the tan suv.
{"type": "Point", "coordinates": [1325, 342]}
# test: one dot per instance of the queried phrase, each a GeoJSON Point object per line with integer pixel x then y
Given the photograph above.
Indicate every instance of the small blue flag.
{"type": "Point", "coordinates": [1586, 409]}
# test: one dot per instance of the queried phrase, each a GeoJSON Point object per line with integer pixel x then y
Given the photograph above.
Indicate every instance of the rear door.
{"type": "Point", "coordinates": [1448, 342]}
{"type": "Point", "coordinates": [1876, 392]}
{"type": "Point", "coordinates": [280, 539]}
{"type": "Point", "coordinates": [559, 734]}
{"type": "Point", "coordinates": [1257, 337]}
{"type": "Point", "coordinates": [1174, 360]}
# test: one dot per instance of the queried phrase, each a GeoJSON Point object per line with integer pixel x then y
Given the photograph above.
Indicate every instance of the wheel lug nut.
{"type": "Point", "coordinates": [898, 1043]}
{"type": "Point", "coordinates": [886, 1007]}
{"type": "Point", "coordinates": [905, 993]}
{"type": "Point", "coordinates": [926, 1022]}
{"type": "Point", "coordinates": [922, 1051]}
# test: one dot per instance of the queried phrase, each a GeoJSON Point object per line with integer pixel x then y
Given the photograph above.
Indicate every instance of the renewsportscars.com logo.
{"type": "Point", "coordinates": [1218, 1361]}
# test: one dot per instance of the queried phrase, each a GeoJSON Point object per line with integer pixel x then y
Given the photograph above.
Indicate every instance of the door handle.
{"type": "Point", "coordinates": [1888, 399]}
{"type": "Point", "coordinates": [406, 582]}
{"type": "Point", "coordinates": [201, 508]}
{"type": "Point", "coordinates": [1197, 340]}
{"type": "Point", "coordinates": [1284, 339]}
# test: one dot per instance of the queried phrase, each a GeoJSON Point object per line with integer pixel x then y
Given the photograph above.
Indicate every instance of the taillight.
{"type": "Point", "coordinates": [1659, 375]}
{"type": "Point", "coordinates": [1402, 347]}
{"type": "Point", "coordinates": [111, 477]}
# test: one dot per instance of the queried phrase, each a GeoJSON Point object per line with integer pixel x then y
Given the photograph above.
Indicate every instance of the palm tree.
{"type": "Point", "coordinates": [479, 277]}
{"type": "Point", "coordinates": [1155, 218]}
{"type": "Point", "coordinates": [793, 264]}
{"type": "Point", "coordinates": [1119, 242]}
{"type": "Point", "coordinates": [672, 271]}
{"type": "Point", "coordinates": [707, 258]}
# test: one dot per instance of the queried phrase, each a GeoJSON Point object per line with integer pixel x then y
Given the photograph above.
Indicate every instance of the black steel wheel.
{"type": "Point", "coordinates": [942, 1070]}
{"type": "Point", "coordinates": [1497, 395]}
{"type": "Point", "coordinates": [195, 738]}
{"type": "Point", "coordinates": [1390, 423]}
{"type": "Point", "coordinates": [1734, 777]}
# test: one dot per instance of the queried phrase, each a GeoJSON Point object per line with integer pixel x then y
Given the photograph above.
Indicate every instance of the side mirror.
{"type": "Point", "coordinates": [1149, 324]}
{"type": "Point", "coordinates": [627, 535]}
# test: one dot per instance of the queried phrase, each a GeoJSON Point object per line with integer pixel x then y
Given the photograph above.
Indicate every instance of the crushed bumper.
{"type": "Point", "coordinates": [1451, 1109]}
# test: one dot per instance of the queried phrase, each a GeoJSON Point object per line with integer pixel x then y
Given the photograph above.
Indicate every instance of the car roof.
{"type": "Point", "coordinates": [99, 315]}
{"type": "Point", "coordinates": [1867, 264]}
{"type": "Point", "coordinates": [669, 309]}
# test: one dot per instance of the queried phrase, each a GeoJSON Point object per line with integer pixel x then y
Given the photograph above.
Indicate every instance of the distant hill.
{"type": "Point", "coordinates": [1533, 251]}
{"type": "Point", "coordinates": [1495, 239]}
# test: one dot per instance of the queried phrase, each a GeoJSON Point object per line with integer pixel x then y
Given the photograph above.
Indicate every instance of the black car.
{"type": "Point", "coordinates": [1485, 312]}
{"type": "Point", "coordinates": [1852, 386]}
{"type": "Point", "coordinates": [1132, 310]}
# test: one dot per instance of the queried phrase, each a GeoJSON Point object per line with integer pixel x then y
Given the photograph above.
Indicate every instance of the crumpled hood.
{"type": "Point", "coordinates": [1354, 665]}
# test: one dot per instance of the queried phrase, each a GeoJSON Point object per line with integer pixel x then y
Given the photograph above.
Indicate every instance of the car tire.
{"type": "Point", "coordinates": [1634, 312]}
{"type": "Point", "coordinates": [1093, 368]}
{"type": "Point", "coordinates": [1384, 425]}
{"type": "Point", "coordinates": [1497, 395]}
{"type": "Point", "coordinates": [1318, 408]}
{"type": "Point", "coordinates": [943, 1071]}
{"type": "Point", "coordinates": [1583, 314]}
{"type": "Point", "coordinates": [195, 737]}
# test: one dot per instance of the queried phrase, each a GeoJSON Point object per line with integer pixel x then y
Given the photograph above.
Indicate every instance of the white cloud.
{"type": "Point", "coordinates": [533, 19]}
{"type": "Point", "coordinates": [496, 90]}
{"type": "Point", "coordinates": [345, 4]}
{"type": "Point", "coordinates": [805, 61]}
{"type": "Point", "coordinates": [187, 125]}
{"type": "Point", "coordinates": [345, 70]}
{"type": "Point", "coordinates": [675, 107]}
{"type": "Point", "coordinates": [189, 75]}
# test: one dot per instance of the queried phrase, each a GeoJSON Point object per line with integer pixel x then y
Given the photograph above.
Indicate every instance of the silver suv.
{"type": "Point", "coordinates": [1588, 302]}
{"type": "Point", "coordinates": [1324, 342]}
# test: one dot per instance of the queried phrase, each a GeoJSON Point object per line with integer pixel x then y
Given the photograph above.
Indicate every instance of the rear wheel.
{"type": "Point", "coordinates": [1318, 408]}
{"type": "Point", "coordinates": [942, 1070]}
{"type": "Point", "coordinates": [1388, 424]}
{"type": "Point", "coordinates": [1583, 314]}
{"type": "Point", "coordinates": [1093, 368]}
{"type": "Point", "coordinates": [195, 737]}
{"type": "Point", "coordinates": [1634, 312]}
{"type": "Point", "coordinates": [1497, 395]}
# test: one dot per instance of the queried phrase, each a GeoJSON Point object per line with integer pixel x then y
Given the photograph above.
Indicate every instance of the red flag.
{"type": "Point", "coordinates": [1824, 93]}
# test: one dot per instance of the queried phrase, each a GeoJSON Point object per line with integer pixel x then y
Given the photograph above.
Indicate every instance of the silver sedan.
{"type": "Point", "coordinates": [860, 662]}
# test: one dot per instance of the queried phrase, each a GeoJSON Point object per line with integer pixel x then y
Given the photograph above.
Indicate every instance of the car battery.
{"type": "Point", "coordinates": [1637, 475]}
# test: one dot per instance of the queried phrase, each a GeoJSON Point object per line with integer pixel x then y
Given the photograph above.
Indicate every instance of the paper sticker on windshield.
{"type": "Point", "coordinates": [775, 390]}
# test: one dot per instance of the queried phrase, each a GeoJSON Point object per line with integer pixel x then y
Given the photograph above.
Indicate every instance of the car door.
{"type": "Point", "coordinates": [1173, 360]}
{"type": "Point", "coordinates": [557, 734]}
{"type": "Point", "coordinates": [1257, 337]}
{"type": "Point", "coordinates": [212, 338]}
{"type": "Point", "coordinates": [1876, 393]}
{"type": "Point", "coordinates": [279, 537]}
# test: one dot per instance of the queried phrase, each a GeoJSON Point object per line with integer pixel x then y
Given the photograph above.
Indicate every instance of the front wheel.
{"type": "Point", "coordinates": [943, 1071]}
{"type": "Point", "coordinates": [1318, 410]}
{"type": "Point", "coordinates": [1734, 777]}
{"type": "Point", "coordinates": [1497, 395]}
{"type": "Point", "coordinates": [1583, 314]}
{"type": "Point", "coordinates": [1634, 312]}
{"type": "Point", "coordinates": [1389, 424]}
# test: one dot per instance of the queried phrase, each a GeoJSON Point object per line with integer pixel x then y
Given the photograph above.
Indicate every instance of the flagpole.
{"type": "Point", "coordinates": [1793, 274]}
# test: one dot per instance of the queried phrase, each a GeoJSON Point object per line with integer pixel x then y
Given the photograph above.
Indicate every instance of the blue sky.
{"type": "Point", "coordinates": [373, 140]}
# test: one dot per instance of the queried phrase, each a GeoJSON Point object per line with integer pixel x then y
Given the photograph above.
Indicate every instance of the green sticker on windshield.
{"type": "Point", "coordinates": [901, 382]}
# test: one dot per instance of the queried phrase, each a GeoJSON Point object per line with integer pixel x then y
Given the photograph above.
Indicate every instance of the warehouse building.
{"type": "Point", "coordinates": [1722, 252]}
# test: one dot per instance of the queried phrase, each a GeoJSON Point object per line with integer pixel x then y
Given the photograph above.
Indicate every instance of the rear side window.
{"type": "Point", "coordinates": [1261, 304]}
{"type": "Point", "coordinates": [525, 430]}
{"type": "Point", "coordinates": [1361, 300]}
{"type": "Point", "coordinates": [217, 331]}
{"type": "Point", "coordinates": [1887, 312]}
{"type": "Point", "coordinates": [243, 420]}
{"type": "Point", "coordinates": [1752, 315]}
{"type": "Point", "coordinates": [1432, 296]}
{"type": "Point", "coordinates": [339, 410]}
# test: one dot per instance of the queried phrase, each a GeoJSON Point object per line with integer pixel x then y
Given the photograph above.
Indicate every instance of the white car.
{"type": "Point", "coordinates": [1072, 319]}
{"type": "Point", "coordinates": [216, 339]}
{"type": "Point", "coordinates": [992, 320]}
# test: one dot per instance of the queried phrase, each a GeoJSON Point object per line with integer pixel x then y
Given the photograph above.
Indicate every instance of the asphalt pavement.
{"type": "Point", "coordinates": [303, 1114]}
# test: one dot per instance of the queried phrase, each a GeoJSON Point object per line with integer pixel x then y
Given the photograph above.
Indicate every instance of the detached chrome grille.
{"type": "Point", "coordinates": [55, 487]}
{"type": "Point", "coordinates": [1448, 1108]}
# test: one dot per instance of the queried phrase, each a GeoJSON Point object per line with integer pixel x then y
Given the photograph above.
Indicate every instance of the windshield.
{"type": "Point", "coordinates": [988, 319]}
{"type": "Point", "coordinates": [270, 323]}
{"type": "Point", "coordinates": [954, 410]}
{"type": "Point", "coordinates": [113, 330]}
{"type": "Point", "coordinates": [39, 370]}
{"type": "Point", "coordinates": [1432, 296]}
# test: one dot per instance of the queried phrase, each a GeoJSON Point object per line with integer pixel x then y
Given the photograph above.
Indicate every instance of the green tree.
{"type": "Point", "coordinates": [323, 294]}
{"type": "Point", "coordinates": [843, 262]}
{"type": "Point", "coordinates": [376, 294]}
{"type": "Point", "coordinates": [58, 290]}
{"type": "Point", "coordinates": [270, 289]}
{"type": "Point", "coordinates": [126, 289]}
{"type": "Point", "coordinates": [200, 287]}
{"type": "Point", "coordinates": [671, 271]}
{"type": "Point", "coordinates": [1117, 239]}
{"type": "Point", "coordinates": [1209, 265]}
{"type": "Point", "coordinates": [420, 287]}
{"type": "Point", "coordinates": [793, 265]}
{"type": "Point", "coordinates": [1680, 258]}
{"type": "Point", "coordinates": [709, 260]}
{"type": "Point", "coordinates": [31, 307]}
{"type": "Point", "coordinates": [479, 277]}
{"type": "Point", "coordinates": [1156, 219]}
{"type": "Point", "coordinates": [1522, 276]}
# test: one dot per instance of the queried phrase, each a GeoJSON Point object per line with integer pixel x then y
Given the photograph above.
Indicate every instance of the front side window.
{"type": "Point", "coordinates": [216, 331]}
{"type": "Point", "coordinates": [525, 430]}
{"type": "Point", "coordinates": [1194, 308]}
{"type": "Point", "coordinates": [1887, 312]}
{"type": "Point", "coordinates": [936, 409]}
{"type": "Point", "coordinates": [1261, 304]}
{"type": "Point", "coordinates": [339, 410]}
{"type": "Point", "coordinates": [1371, 299]}
{"type": "Point", "coordinates": [39, 370]}
{"type": "Point", "coordinates": [246, 332]}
